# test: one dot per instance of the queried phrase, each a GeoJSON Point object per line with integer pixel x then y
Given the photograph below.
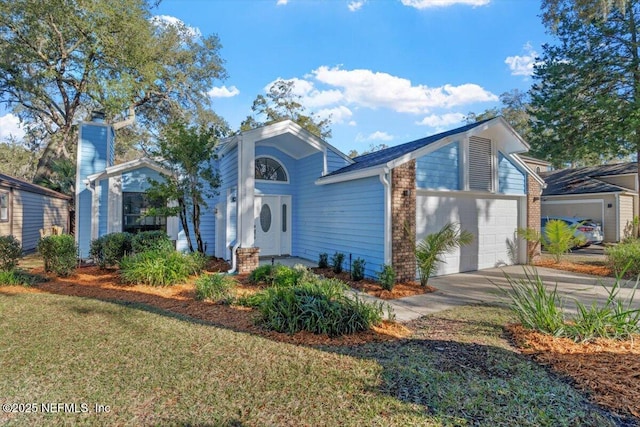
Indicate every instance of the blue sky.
{"type": "Point", "coordinates": [388, 71]}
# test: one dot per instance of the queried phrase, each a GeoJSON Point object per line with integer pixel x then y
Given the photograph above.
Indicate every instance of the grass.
{"type": "Point", "coordinates": [152, 368]}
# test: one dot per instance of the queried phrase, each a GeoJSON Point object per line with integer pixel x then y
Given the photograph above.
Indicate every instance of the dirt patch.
{"type": "Point", "coordinates": [400, 290]}
{"type": "Point", "coordinates": [607, 370]}
{"type": "Point", "coordinates": [594, 268]}
{"type": "Point", "coordinates": [92, 282]}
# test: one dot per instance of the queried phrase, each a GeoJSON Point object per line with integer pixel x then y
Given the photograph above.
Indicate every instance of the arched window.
{"type": "Point", "coordinates": [269, 169]}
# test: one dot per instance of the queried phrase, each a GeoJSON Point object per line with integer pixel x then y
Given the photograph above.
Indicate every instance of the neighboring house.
{"type": "Point", "coordinates": [26, 208]}
{"type": "Point", "coordinates": [536, 165]}
{"type": "Point", "coordinates": [607, 194]}
{"type": "Point", "coordinates": [287, 192]}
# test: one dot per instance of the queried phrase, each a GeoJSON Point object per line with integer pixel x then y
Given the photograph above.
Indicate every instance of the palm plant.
{"type": "Point", "coordinates": [430, 250]}
{"type": "Point", "coordinates": [559, 237]}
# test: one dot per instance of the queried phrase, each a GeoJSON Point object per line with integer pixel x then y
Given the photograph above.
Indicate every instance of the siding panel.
{"type": "Point", "coordinates": [440, 170]}
{"type": "Point", "coordinates": [510, 179]}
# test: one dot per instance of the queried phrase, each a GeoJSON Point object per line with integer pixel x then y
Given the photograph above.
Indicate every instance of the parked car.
{"type": "Point", "coordinates": [587, 229]}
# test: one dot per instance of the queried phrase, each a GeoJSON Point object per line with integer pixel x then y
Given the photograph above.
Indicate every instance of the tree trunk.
{"type": "Point", "coordinates": [185, 223]}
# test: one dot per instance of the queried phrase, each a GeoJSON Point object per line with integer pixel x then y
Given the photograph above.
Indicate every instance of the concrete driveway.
{"type": "Point", "coordinates": [479, 287]}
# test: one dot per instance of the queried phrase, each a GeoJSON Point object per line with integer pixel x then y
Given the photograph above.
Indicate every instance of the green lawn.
{"type": "Point", "coordinates": [152, 368]}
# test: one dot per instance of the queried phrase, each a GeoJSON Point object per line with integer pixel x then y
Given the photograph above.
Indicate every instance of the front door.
{"type": "Point", "coordinates": [273, 225]}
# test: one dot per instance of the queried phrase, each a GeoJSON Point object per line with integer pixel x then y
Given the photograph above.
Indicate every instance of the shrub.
{"type": "Point", "coordinates": [357, 269]}
{"type": "Point", "coordinates": [155, 240]}
{"type": "Point", "coordinates": [323, 261]}
{"type": "Point", "coordinates": [10, 252]}
{"type": "Point", "coordinates": [616, 319]}
{"type": "Point", "coordinates": [109, 249]}
{"type": "Point", "coordinates": [535, 307]}
{"type": "Point", "coordinates": [336, 262]}
{"type": "Point", "coordinates": [319, 306]}
{"type": "Point", "coordinates": [279, 275]}
{"type": "Point", "coordinates": [18, 278]}
{"type": "Point", "coordinates": [387, 277]}
{"type": "Point", "coordinates": [430, 250]}
{"type": "Point", "coordinates": [624, 257]}
{"type": "Point", "coordinates": [559, 237]}
{"type": "Point", "coordinates": [59, 253]}
{"type": "Point", "coordinates": [216, 287]}
{"type": "Point", "coordinates": [534, 240]}
{"type": "Point", "coordinates": [157, 268]}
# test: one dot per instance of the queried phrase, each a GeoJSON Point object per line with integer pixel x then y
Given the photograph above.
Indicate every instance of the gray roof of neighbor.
{"type": "Point", "coordinates": [381, 157]}
{"type": "Point", "coordinates": [12, 182]}
{"type": "Point", "coordinates": [585, 180]}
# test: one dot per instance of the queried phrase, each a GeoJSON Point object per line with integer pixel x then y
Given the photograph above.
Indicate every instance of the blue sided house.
{"type": "Point", "coordinates": [287, 192]}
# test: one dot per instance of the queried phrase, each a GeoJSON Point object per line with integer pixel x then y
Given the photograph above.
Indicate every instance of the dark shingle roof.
{"type": "Point", "coordinates": [12, 182]}
{"type": "Point", "coordinates": [381, 157]}
{"type": "Point", "coordinates": [585, 180]}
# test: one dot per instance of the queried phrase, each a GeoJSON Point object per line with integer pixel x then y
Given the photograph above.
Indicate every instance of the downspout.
{"type": "Point", "coordinates": [234, 258]}
{"type": "Point", "coordinates": [387, 216]}
{"type": "Point", "coordinates": [92, 190]}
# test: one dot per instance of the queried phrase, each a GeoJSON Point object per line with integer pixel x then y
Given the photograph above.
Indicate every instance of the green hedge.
{"type": "Point", "coordinates": [155, 240]}
{"type": "Point", "coordinates": [109, 249]}
{"type": "Point", "coordinates": [10, 252]}
{"type": "Point", "coordinates": [59, 253]}
{"type": "Point", "coordinates": [624, 257]}
{"type": "Point", "coordinates": [159, 267]}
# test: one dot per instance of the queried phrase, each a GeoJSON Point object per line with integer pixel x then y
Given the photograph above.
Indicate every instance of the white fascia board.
{"type": "Point", "coordinates": [611, 193]}
{"type": "Point", "coordinates": [126, 167]}
{"type": "Point", "coordinates": [349, 176]}
{"type": "Point", "coordinates": [500, 120]}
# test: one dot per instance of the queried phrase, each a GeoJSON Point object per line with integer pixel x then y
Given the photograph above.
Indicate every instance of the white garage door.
{"type": "Point", "coordinates": [492, 221]}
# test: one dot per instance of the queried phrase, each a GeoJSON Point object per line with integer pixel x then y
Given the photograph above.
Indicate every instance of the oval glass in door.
{"type": "Point", "coordinates": [265, 218]}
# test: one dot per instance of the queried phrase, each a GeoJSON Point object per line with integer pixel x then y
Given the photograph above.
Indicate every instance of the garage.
{"type": "Point", "coordinates": [492, 220]}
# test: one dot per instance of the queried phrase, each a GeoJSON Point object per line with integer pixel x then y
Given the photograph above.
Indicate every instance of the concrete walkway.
{"type": "Point", "coordinates": [481, 287]}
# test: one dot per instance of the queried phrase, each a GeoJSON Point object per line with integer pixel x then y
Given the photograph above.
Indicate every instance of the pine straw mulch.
{"type": "Point", "coordinates": [92, 282]}
{"type": "Point", "coordinates": [595, 269]}
{"type": "Point", "coordinates": [400, 290]}
{"type": "Point", "coordinates": [607, 370]}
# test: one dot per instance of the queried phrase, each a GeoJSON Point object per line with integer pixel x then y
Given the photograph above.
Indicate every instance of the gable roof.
{"type": "Point", "coordinates": [585, 180]}
{"type": "Point", "coordinates": [12, 182]}
{"type": "Point", "coordinates": [386, 155]}
{"type": "Point", "coordinates": [121, 168]}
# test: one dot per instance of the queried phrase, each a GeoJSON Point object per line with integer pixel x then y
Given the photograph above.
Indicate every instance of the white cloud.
{"type": "Point", "coordinates": [376, 90]}
{"type": "Point", "coordinates": [311, 97]}
{"type": "Point", "coordinates": [356, 5]}
{"type": "Point", "coordinates": [282, 2]}
{"type": "Point", "coordinates": [442, 120]}
{"type": "Point", "coordinates": [223, 92]}
{"type": "Point", "coordinates": [10, 126]}
{"type": "Point", "coordinates": [337, 115]}
{"type": "Point", "coordinates": [164, 20]}
{"type": "Point", "coordinates": [424, 4]}
{"type": "Point", "coordinates": [375, 136]}
{"type": "Point", "coordinates": [522, 65]}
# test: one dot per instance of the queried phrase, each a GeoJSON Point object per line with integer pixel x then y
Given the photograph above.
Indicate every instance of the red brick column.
{"type": "Point", "coordinates": [534, 199]}
{"type": "Point", "coordinates": [403, 220]}
{"type": "Point", "coordinates": [247, 259]}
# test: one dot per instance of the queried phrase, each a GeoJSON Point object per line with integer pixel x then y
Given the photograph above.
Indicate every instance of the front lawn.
{"type": "Point", "coordinates": [154, 367]}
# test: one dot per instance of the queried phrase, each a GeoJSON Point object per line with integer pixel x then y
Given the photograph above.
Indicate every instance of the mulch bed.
{"type": "Point", "coordinates": [404, 289]}
{"type": "Point", "coordinates": [607, 370]}
{"type": "Point", "coordinates": [584, 268]}
{"type": "Point", "coordinates": [92, 282]}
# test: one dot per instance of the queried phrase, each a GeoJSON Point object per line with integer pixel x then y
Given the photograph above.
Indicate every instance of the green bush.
{"type": "Point", "coordinates": [616, 319]}
{"type": "Point", "coordinates": [59, 253]}
{"type": "Point", "coordinates": [542, 310]}
{"type": "Point", "coordinates": [155, 240]}
{"type": "Point", "coordinates": [318, 306]}
{"type": "Point", "coordinates": [157, 268]}
{"type": "Point", "coordinates": [624, 257]}
{"type": "Point", "coordinates": [559, 238]}
{"type": "Point", "coordinates": [323, 261]}
{"type": "Point", "coordinates": [216, 287]}
{"type": "Point", "coordinates": [387, 277]}
{"type": "Point", "coordinates": [18, 278]}
{"type": "Point", "coordinates": [357, 269]}
{"type": "Point", "coordinates": [535, 307]}
{"type": "Point", "coordinates": [10, 252]}
{"type": "Point", "coordinates": [430, 250]}
{"type": "Point", "coordinates": [336, 262]}
{"type": "Point", "coordinates": [278, 274]}
{"type": "Point", "coordinates": [109, 249]}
